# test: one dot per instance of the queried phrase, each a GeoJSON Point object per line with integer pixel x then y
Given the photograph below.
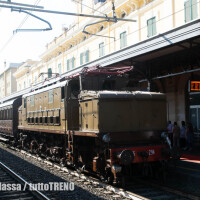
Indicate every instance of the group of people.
{"type": "Point", "coordinates": [181, 137]}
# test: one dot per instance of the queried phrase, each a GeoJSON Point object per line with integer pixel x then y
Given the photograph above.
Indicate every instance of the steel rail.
{"type": "Point", "coordinates": [68, 13]}
{"type": "Point", "coordinates": [21, 4]}
{"type": "Point", "coordinates": [35, 192]}
{"type": "Point", "coordinates": [119, 191]}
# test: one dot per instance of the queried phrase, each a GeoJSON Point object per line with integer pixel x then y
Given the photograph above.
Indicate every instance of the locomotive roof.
{"type": "Point", "coordinates": [60, 84]}
{"type": "Point", "coordinates": [122, 94]}
{"type": "Point", "coordinates": [8, 103]}
{"type": "Point", "coordinates": [29, 89]}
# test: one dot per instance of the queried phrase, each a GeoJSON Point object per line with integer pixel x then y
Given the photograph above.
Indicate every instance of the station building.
{"type": "Point", "coordinates": [7, 79]}
{"type": "Point", "coordinates": [163, 45]}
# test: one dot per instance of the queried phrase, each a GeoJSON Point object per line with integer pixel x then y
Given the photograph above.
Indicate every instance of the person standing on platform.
{"type": "Point", "coordinates": [182, 135]}
{"type": "Point", "coordinates": [169, 129]}
{"type": "Point", "coordinates": [176, 135]}
{"type": "Point", "coordinates": [189, 136]}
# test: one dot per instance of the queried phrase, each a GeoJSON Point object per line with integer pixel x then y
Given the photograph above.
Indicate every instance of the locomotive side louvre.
{"type": "Point", "coordinates": [44, 110]}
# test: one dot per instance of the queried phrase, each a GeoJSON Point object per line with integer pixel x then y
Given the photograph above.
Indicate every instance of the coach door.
{"type": "Point", "coordinates": [194, 99]}
{"type": "Point", "coordinates": [195, 117]}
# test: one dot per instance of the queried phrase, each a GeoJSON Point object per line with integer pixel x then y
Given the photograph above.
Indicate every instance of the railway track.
{"type": "Point", "coordinates": [18, 186]}
{"type": "Point", "coordinates": [139, 190]}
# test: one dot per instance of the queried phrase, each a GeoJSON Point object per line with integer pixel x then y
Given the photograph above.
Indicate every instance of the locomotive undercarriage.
{"type": "Point", "coordinates": [50, 146]}
{"type": "Point", "coordinates": [80, 152]}
{"type": "Point", "coordinates": [87, 154]}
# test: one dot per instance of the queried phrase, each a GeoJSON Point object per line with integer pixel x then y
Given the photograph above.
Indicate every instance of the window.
{"type": "Point", "coordinates": [49, 72]}
{"type": "Point", "coordinates": [19, 86]}
{"type": "Point", "coordinates": [32, 101]}
{"type": "Point", "coordinates": [29, 82]}
{"type": "Point", "coordinates": [24, 84]}
{"type": "Point", "coordinates": [70, 63]}
{"type": "Point", "coordinates": [59, 68]}
{"type": "Point", "coordinates": [101, 49]}
{"type": "Point", "coordinates": [123, 14]}
{"type": "Point", "coordinates": [42, 77]}
{"type": "Point", "coordinates": [123, 40]}
{"type": "Point", "coordinates": [10, 113]}
{"type": "Point", "coordinates": [84, 57]}
{"type": "Point", "coordinates": [190, 10]}
{"type": "Point", "coordinates": [98, 1]}
{"type": "Point", "coordinates": [84, 38]}
{"type": "Point", "coordinates": [101, 28]}
{"type": "Point", "coordinates": [50, 96]}
{"type": "Point", "coordinates": [151, 27]}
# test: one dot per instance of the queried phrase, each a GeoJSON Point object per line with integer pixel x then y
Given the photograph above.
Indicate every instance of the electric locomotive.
{"type": "Point", "coordinates": [93, 121]}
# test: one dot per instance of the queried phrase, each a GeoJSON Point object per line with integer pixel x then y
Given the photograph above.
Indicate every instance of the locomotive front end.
{"type": "Point", "coordinates": [129, 127]}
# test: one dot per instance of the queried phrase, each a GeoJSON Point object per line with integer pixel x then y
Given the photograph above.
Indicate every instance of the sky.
{"type": "Point", "coordinates": [21, 46]}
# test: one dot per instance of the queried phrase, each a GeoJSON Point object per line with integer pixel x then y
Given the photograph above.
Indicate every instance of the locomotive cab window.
{"type": "Point", "coordinates": [75, 90]}
{"type": "Point", "coordinates": [50, 96]}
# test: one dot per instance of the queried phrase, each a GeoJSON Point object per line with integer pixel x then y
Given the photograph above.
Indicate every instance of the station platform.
{"type": "Point", "coordinates": [191, 156]}
{"type": "Point", "coordinates": [189, 164]}
{"type": "Point", "coordinates": [186, 171]}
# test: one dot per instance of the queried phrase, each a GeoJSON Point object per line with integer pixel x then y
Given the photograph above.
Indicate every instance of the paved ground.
{"type": "Point", "coordinates": [187, 171]}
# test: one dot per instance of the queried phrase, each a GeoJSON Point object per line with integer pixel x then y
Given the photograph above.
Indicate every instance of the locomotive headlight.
{"type": "Point", "coordinates": [106, 138]}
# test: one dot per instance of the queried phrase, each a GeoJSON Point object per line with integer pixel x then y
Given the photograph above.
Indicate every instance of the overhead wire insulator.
{"type": "Point", "coordinates": [114, 13]}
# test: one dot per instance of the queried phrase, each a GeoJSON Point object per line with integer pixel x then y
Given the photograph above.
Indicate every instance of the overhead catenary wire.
{"type": "Point", "coordinates": [145, 26]}
{"type": "Point", "coordinates": [19, 26]}
{"type": "Point", "coordinates": [61, 13]}
{"type": "Point", "coordinates": [21, 4]}
{"type": "Point", "coordinates": [68, 13]}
